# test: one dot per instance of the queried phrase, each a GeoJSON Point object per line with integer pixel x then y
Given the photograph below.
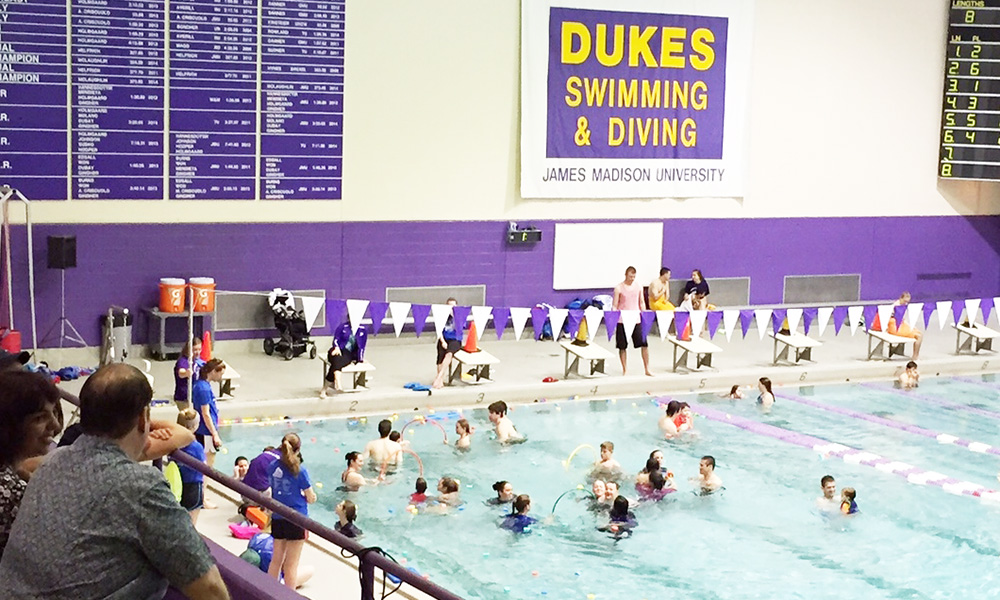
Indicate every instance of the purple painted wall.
{"type": "Point", "coordinates": [122, 264]}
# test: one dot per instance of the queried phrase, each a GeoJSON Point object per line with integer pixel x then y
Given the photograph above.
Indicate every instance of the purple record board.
{"type": "Point", "coordinates": [217, 100]}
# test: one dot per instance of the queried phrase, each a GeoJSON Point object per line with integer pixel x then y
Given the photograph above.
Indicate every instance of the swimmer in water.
{"type": "Point", "coordinates": [666, 422]}
{"type": "Point", "coordinates": [684, 419]}
{"type": "Point", "coordinates": [505, 494]}
{"type": "Point", "coordinates": [383, 451]}
{"type": "Point", "coordinates": [352, 478]}
{"type": "Point", "coordinates": [506, 433]}
{"type": "Point", "coordinates": [599, 490]}
{"type": "Point", "coordinates": [518, 521]}
{"type": "Point", "coordinates": [651, 481]}
{"type": "Point", "coordinates": [610, 492]}
{"type": "Point", "coordinates": [607, 465]}
{"type": "Point", "coordinates": [707, 480]}
{"type": "Point", "coordinates": [420, 495]}
{"type": "Point", "coordinates": [734, 393]}
{"type": "Point", "coordinates": [828, 502]}
{"type": "Point", "coordinates": [464, 431]}
{"type": "Point", "coordinates": [847, 504]}
{"type": "Point", "coordinates": [910, 377]}
{"type": "Point", "coordinates": [621, 520]}
{"type": "Point", "coordinates": [448, 489]}
{"type": "Point", "coordinates": [766, 397]}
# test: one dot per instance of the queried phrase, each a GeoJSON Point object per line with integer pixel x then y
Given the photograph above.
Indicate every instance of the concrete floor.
{"type": "Point", "coordinates": [272, 388]}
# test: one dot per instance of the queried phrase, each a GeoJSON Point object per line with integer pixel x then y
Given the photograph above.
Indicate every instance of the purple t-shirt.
{"type": "Point", "coordinates": [258, 471]}
{"type": "Point", "coordinates": [180, 383]}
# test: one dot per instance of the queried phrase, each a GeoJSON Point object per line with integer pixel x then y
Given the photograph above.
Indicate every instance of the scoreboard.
{"type": "Point", "coordinates": [172, 99]}
{"type": "Point", "coordinates": [970, 123]}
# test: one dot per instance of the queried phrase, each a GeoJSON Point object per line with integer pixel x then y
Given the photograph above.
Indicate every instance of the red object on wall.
{"type": "Point", "coordinates": [11, 341]}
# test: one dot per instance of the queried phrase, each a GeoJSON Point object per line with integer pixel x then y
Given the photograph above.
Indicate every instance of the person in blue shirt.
{"type": "Point", "coordinates": [203, 402]}
{"type": "Point", "coordinates": [448, 344]}
{"type": "Point", "coordinates": [290, 485]}
{"type": "Point", "coordinates": [192, 481]}
{"type": "Point", "coordinates": [518, 521]}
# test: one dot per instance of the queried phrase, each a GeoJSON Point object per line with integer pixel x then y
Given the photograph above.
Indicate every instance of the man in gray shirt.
{"type": "Point", "coordinates": [94, 523]}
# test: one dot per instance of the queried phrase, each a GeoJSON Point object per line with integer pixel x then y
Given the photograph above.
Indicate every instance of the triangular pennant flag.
{"type": "Point", "coordinates": [714, 319]}
{"type": "Point", "coordinates": [762, 316]}
{"type": "Point", "coordinates": [839, 316]}
{"type": "Point", "coordinates": [884, 312]}
{"type": "Point", "coordinates": [913, 312]}
{"type": "Point", "coordinates": [794, 316]}
{"type": "Point", "coordinates": [519, 318]}
{"type": "Point", "coordinates": [461, 315]}
{"type": "Point", "coordinates": [986, 305]}
{"type": "Point", "coordinates": [311, 307]}
{"type": "Point", "coordinates": [594, 316]}
{"type": "Point", "coordinates": [557, 316]}
{"type": "Point", "coordinates": [868, 313]}
{"type": "Point", "coordinates": [956, 310]}
{"type": "Point", "coordinates": [996, 304]}
{"type": "Point", "coordinates": [573, 321]}
{"type": "Point", "coordinates": [336, 312]}
{"type": "Point", "coordinates": [943, 308]}
{"type": "Point", "coordinates": [899, 315]}
{"type": "Point", "coordinates": [778, 319]}
{"type": "Point", "coordinates": [856, 314]}
{"type": "Point", "coordinates": [501, 315]}
{"type": "Point", "coordinates": [928, 311]}
{"type": "Point", "coordinates": [610, 322]}
{"type": "Point", "coordinates": [481, 317]}
{"type": "Point", "coordinates": [729, 319]}
{"type": "Point", "coordinates": [972, 310]}
{"type": "Point", "coordinates": [823, 314]}
{"type": "Point", "coordinates": [746, 317]}
{"type": "Point", "coordinates": [398, 312]}
{"type": "Point", "coordinates": [663, 320]}
{"type": "Point", "coordinates": [538, 316]}
{"type": "Point", "coordinates": [681, 320]}
{"type": "Point", "coordinates": [698, 318]}
{"type": "Point", "coordinates": [419, 312]}
{"type": "Point", "coordinates": [646, 319]}
{"type": "Point", "coordinates": [355, 312]}
{"type": "Point", "coordinates": [629, 319]}
{"type": "Point", "coordinates": [377, 310]}
{"type": "Point", "coordinates": [440, 313]}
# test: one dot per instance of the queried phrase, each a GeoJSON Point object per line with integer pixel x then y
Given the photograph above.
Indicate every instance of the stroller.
{"type": "Point", "coordinates": [291, 325]}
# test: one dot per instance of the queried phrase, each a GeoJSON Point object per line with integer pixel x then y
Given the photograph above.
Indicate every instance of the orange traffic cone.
{"type": "Point", "coordinates": [206, 347]}
{"type": "Point", "coordinates": [470, 342]}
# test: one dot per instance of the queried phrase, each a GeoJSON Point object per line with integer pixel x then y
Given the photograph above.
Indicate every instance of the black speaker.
{"type": "Point", "coordinates": [62, 251]}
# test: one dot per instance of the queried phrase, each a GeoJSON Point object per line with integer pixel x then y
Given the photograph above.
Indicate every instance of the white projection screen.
{"type": "Point", "coordinates": [590, 256]}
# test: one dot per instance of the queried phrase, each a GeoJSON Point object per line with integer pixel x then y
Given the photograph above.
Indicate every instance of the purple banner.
{"type": "Point", "coordinates": [538, 317]}
{"type": "Point", "coordinates": [986, 305]}
{"type": "Point", "coordinates": [420, 312]}
{"type": "Point", "coordinates": [714, 319]}
{"type": "Point", "coordinates": [839, 316]}
{"type": "Point", "coordinates": [746, 318]}
{"type": "Point", "coordinates": [928, 310]}
{"type": "Point", "coordinates": [635, 85]}
{"type": "Point", "coordinates": [377, 310]}
{"type": "Point", "coordinates": [646, 319]}
{"type": "Point", "coordinates": [611, 318]}
{"type": "Point", "coordinates": [808, 316]}
{"type": "Point", "coordinates": [500, 317]}
{"type": "Point", "coordinates": [681, 320]}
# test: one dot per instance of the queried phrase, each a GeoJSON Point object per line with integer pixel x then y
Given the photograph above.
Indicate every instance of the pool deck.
{"type": "Point", "coordinates": [272, 388]}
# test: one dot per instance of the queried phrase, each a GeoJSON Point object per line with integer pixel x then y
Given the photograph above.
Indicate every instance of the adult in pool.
{"type": "Point", "coordinates": [352, 478]}
{"type": "Point", "coordinates": [766, 397]}
{"type": "Point", "coordinates": [708, 481]}
{"type": "Point", "coordinates": [505, 494]}
{"type": "Point", "coordinates": [518, 521]}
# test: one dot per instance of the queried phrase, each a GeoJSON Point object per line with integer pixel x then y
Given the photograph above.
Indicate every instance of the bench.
{"type": "Point", "coordinates": [976, 337]}
{"type": "Point", "coordinates": [357, 371]}
{"type": "Point", "coordinates": [702, 349]}
{"type": "Point", "coordinates": [802, 344]}
{"type": "Point", "coordinates": [480, 362]}
{"type": "Point", "coordinates": [591, 353]}
{"type": "Point", "coordinates": [896, 344]}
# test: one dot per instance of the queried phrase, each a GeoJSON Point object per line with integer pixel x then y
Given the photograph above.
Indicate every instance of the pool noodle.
{"type": "Point", "coordinates": [983, 412]}
{"type": "Point", "coordinates": [911, 473]}
{"type": "Point", "coordinates": [569, 459]}
{"type": "Point", "coordinates": [942, 438]}
{"type": "Point", "coordinates": [425, 421]}
{"type": "Point", "coordinates": [556, 503]}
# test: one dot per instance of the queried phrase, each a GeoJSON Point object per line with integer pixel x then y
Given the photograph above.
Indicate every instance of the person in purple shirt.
{"type": "Point", "coordinates": [256, 476]}
{"type": "Point", "coordinates": [183, 371]}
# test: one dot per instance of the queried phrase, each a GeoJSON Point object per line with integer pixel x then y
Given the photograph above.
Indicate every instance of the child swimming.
{"type": "Point", "coordinates": [420, 495]}
{"type": "Point", "coordinates": [621, 520]}
{"type": "Point", "coordinates": [464, 431]}
{"type": "Point", "coordinates": [847, 504]}
{"type": "Point", "coordinates": [607, 465]}
{"type": "Point", "coordinates": [518, 521]}
{"type": "Point", "coordinates": [506, 433]}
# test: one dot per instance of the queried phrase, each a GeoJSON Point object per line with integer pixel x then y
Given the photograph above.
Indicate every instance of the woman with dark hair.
{"type": "Point", "coordinates": [352, 478]}
{"type": "Point", "coordinates": [766, 397]}
{"type": "Point", "coordinates": [696, 286]}
{"type": "Point", "coordinates": [30, 416]}
{"type": "Point", "coordinates": [505, 494]}
{"type": "Point", "coordinates": [621, 520]}
{"type": "Point", "coordinates": [290, 485]}
{"type": "Point", "coordinates": [667, 425]}
{"type": "Point", "coordinates": [203, 402]}
{"type": "Point", "coordinates": [185, 369]}
{"type": "Point", "coordinates": [518, 520]}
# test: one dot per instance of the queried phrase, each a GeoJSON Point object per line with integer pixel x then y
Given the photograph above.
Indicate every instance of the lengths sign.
{"type": "Point", "coordinates": [645, 100]}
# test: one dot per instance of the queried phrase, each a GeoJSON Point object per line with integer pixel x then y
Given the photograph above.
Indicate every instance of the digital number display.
{"type": "Point", "coordinates": [970, 122]}
{"type": "Point", "coordinates": [178, 100]}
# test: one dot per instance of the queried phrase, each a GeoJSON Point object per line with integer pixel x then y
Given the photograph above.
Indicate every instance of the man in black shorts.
{"type": "Point", "coordinates": [628, 296]}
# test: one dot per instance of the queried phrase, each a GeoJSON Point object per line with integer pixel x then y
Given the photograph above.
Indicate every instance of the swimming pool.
{"type": "Point", "coordinates": [761, 537]}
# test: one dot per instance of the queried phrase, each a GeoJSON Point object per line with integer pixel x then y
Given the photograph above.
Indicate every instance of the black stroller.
{"type": "Point", "coordinates": [291, 325]}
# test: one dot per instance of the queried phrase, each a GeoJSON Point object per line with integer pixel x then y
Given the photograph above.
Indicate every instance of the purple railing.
{"type": "Point", "coordinates": [237, 573]}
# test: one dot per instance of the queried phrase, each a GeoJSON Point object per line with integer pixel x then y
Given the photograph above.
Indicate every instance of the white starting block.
{"type": "Point", "coordinates": [976, 337]}
{"type": "Point", "coordinates": [702, 349]}
{"type": "Point", "coordinates": [896, 344]}
{"type": "Point", "coordinates": [226, 385]}
{"type": "Point", "coordinates": [357, 371]}
{"type": "Point", "coordinates": [592, 353]}
{"type": "Point", "coordinates": [480, 362]}
{"type": "Point", "coordinates": [802, 344]}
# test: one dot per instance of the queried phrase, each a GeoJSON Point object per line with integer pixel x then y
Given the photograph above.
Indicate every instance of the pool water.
{"type": "Point", "coordinates": [759, 538]}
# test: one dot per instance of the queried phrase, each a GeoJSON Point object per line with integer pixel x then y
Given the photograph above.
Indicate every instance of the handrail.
{"type": "Point", "coordinates": [368, 557]}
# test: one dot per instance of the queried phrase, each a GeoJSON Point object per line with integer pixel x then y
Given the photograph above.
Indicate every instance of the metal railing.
{"type": "Point", "coordinates": [369, 558]}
